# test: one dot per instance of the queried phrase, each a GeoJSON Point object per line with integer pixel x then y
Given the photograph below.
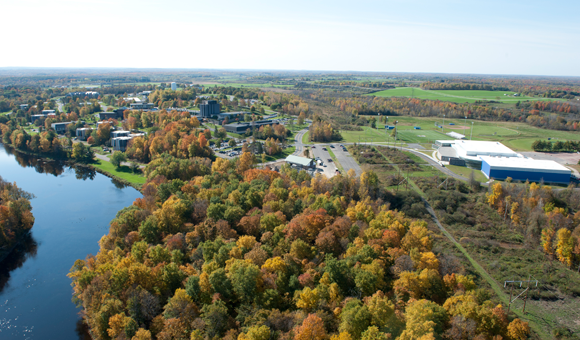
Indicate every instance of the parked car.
{"type": "Point", "coordinates": [332, 146]}
{"type": "Point", "coordinates": [329, 160]}
{"type": "Point", "coordinates": [324, 149]}
{"type": "Point", "coordinates": [314, 147]}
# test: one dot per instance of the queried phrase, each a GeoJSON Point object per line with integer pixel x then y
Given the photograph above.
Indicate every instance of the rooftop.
{"type": "Point", "coordinates": [472, 149]}
{"type": "Point", "coordinates": [524, 163]}
{"type": "Point", "coordinates": [299, 160]}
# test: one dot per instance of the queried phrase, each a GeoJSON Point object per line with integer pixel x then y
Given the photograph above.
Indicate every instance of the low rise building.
{"type": "Point", "coordinates": [83, 133]}
{"type": "Point", "coordinates": [470, 151]}
{"type": "Point", "coordinates": [300, 162]}
{"type": "Point", "coordinates": [142, 106]}
{"type": "Point", "coordinates": [525, 169]}
{"type": "Point", "coordinates": [120, 143]}
{"type": "Point", "coordinates": [60, 128]}
{"type": "Point", "coordinates": [243, 127]}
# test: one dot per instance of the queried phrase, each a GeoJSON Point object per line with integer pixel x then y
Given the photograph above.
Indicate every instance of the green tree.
{"type": "Point", "coordinates": [117, 158]}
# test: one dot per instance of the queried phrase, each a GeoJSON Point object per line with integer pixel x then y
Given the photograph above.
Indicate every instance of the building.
{"type": "Point", "coordinates": [525, 169]}
{"type": "Point", "coordinates": [209, 108]}
{"type": "Point", "coordinates": [173, 86]}
{"type": "Point", "coordinates": [120, 133]}
{"type": "Point", "coordinates": [470, 151]}
{"type": "Point", "coordinates": [33, 118]}
{"type": "Point", "coordinates": [120, 139]}
{"type": "Point", "coordinates": [24, 107]}
{"type": "Point", "coordinates": [48, 112]}
{"type": "Point", "coordinates": [142, 106]}
{"type": "Point", "coordinates": [243, 127]}
{"type": "Point", "coordinates": [120, 143]}
{"type": "Point", "coordinates": [83, 133]}
{"type": "Point", "coordinates": [115, 114]}
{"type": "Point", "coordinates": [89, 94]}
{"type": "Point", "coordinates": [300, 162]}
{"type": "Point", "coordinates": [60, 128]}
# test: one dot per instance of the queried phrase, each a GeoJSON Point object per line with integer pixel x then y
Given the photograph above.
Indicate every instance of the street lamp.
{"type": "Point", "coordinates": [465, 125]}
{"type": "Point", "coordinates": [443, 126]}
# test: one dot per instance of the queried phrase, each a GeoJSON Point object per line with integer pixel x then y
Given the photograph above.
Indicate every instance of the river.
{"type": "Point", "coordinates": [72, 211]}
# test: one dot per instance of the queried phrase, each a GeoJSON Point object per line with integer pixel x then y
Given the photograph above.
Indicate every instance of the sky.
{"type": "Point", "coordinates": [484, 37]}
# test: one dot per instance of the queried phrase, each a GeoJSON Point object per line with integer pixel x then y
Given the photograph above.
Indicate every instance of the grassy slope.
{"type": "Point", "coordinates": [122, 172]}
{"type": "Point", "coordinates": [465, 172]}
{"type": "Point", "coordinates": [457, 96]}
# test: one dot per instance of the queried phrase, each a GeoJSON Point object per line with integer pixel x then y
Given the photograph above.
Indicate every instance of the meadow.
{"type": "Point", "coordinates": [456, 96]}
{"type": "Point", "coordinates": [518, 136]}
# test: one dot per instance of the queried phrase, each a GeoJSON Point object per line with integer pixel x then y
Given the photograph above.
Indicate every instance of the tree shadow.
{"type": "Point", "coordinates": [26, 248]}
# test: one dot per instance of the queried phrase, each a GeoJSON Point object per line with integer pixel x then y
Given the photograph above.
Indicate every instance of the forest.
{"type": "Point", "coordinates": [15, 215]}
{"type": "Point", "coordinates": [234, 252]}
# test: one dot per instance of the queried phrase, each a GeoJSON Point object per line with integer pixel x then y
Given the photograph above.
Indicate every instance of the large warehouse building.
{"type": "Point", "coordinates": [469, 152]}
{"type": "Point", "coordinates": [525, 169]}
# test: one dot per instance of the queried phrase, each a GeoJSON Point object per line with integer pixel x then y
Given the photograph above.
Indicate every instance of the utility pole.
{"type": "Point", "coordinates": [521, 282]}
{"type": "Point", "coordinates": [471, 131]}
{"type": "Point", "coordinates": [526, 296]}
{"type": "Point", "coordinates": [510, 301]}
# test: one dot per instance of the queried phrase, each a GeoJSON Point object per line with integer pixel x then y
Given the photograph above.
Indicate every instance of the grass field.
{"type": "Point", "coordinates": [465, 172]}
{"type": "Point", "coordinates": [122, 172]}
{"type": "Point", "coordinates": [518, 136]}
{"type": "Point", "coordinates": [456, 96]}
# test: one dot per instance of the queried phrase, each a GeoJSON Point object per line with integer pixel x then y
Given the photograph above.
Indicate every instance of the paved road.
{"type": "Point", "coordinates": [298, 142]}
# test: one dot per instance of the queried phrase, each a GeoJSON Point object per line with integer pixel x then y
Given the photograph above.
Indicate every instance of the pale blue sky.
{"type": "Point", "coordinates": [489, 37]}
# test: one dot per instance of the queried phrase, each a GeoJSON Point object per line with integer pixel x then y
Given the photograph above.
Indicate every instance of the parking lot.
{"type": "Point", "coordinates": [330, 169]}
{"type": "Point", "coordinates": [343, 157]}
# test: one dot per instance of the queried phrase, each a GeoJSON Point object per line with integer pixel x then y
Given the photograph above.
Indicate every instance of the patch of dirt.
{"type": "Point", "coordinates": [507, 245]}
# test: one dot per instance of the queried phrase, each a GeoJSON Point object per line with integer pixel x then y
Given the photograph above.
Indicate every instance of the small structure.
{"type": "Point", "coordinates": [83, 133]}
{"type": "Point", "coordinates": [300, 162]}
{"type": "Point", "coordinates": [417, 127]}
{"type": "Point", "coordinates": [525, 169]}
{"type": "Point", "coordinates": [60, 128]}
{"type": "Point", "coordinates": [389, 127]}
{"type": "Point", "coordinates": [451, 123]}
{"type": "Point", "coordinates": [455, 135]}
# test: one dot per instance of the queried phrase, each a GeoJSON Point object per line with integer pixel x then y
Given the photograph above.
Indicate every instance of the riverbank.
{"type": "Point", "coordinates": [122, 174]}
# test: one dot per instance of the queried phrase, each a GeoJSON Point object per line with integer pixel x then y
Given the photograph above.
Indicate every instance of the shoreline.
{"type": "Point", "coordinates": [71, 163]}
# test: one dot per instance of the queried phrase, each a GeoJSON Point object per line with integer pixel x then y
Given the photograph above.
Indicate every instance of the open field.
{"type": "Point", "coordinates": [518, 136]}
{"type": "Point", "coordinates": [245, 85]}
{"type": "Point", "coordinates": [456, 96]}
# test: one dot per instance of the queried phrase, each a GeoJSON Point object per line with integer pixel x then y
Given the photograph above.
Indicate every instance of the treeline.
{"type": "Point", "coordinates": [321, 131]}
{"type": "Point", "coordinates": [12, 96]}
{"type": "Point", "coordinates": [558, 146]}
{"type": "Point", "coordinates": [565, 115]}
{"type": "Point", "coordinates": [15, 215]}
{"type": "Point", "coordinates": [428, 85]}
{"type": "Point", "coordinates": [288, 103]}
{"type": "Point", "coordinates": [241, 253]}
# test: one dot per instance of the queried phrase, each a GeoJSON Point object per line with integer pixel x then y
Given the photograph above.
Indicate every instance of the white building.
{"type": "Point", "coordinates": [173, 86]}
{"type": "Point", "coordinates": [469, 152]}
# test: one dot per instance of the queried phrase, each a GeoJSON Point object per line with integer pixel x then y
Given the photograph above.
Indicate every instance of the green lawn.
{"type": "Point", "coordinates": [122, 172]}
{"type": "Point", "coordinates": [285, 153]}
{"type": "Point", "coordinates": [465, 172]}
{"type": "Point", "coordinates": [456, 96]}
{"type": "Point", "coordinates": [305, 139]}
{"type": "Point", "coordinates": [518, 136]}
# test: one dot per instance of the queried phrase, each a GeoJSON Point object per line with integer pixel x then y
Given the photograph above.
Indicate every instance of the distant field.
{"type": "Point", "coordinates": [518, 136]}
{"type": "Point", "coordinates": [456, 96]}
{"type": "Point", "coordinates": [245, 85]}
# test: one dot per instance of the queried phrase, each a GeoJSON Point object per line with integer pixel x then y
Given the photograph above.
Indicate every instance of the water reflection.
{"type": "Point", "coordinates": [24, 250]}
{"type": "Point", "coordinates": [49, 166]}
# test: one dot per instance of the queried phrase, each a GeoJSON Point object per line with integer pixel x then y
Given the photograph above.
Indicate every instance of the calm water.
{"type": "Point", "coordinates": [72, 209]}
